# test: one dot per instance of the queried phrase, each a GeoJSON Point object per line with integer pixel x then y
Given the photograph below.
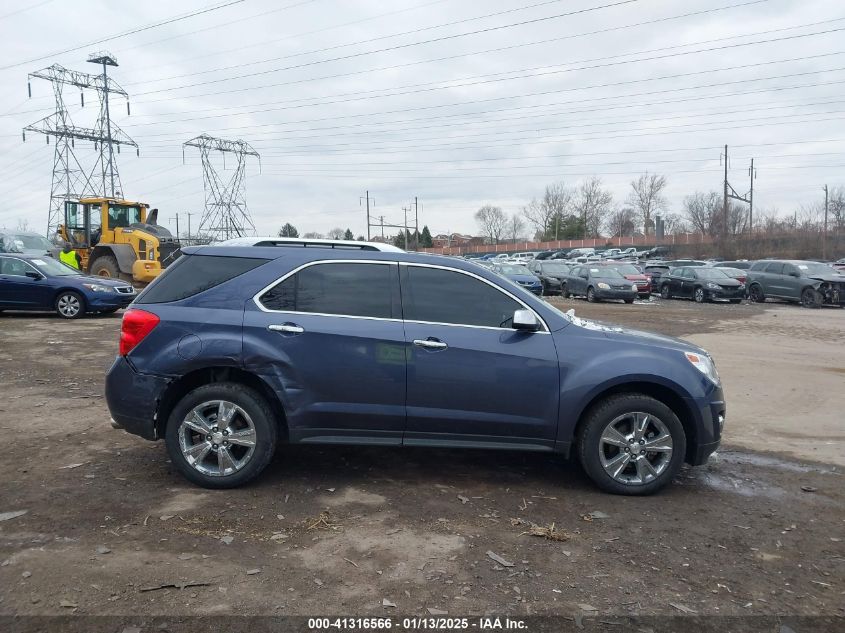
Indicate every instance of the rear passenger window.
{"type": "Point", "coordinates": [343, 289]}
{"type": "Point", "coordinates": [776, 268]}
{"type": "Point", "coordinates": [191, 274]}
{"type": "Point", "coordinates": [443, 296]}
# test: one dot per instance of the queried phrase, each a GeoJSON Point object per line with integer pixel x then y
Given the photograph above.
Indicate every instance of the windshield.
{"type": "Point", "coordinates": [605, 272]}
{"type": "Point", "coordinates": [514, 269]}
{"type": "Point", "coordinates": [555, 268]}
{"type": "Point", "coordinates": [809, 269]}
{"type": "Point", "coordinates": [17, 243]}
{"type": "Point", "coordinates": [710, 273]}
{"type": "Point", "coordinates": [121, 216]}
{"type": "Point", "coordinates": [627, 269]}
{"type": "Point", "coordinates": [53, 268]}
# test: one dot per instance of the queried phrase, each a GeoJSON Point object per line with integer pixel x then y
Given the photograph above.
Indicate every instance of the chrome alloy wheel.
{"type": "Point", "coordinates": [635, 448]}
{"type": "Point", "coordinates": [217, 438]}
{"type": "Point", "coordinates": [68, 305]}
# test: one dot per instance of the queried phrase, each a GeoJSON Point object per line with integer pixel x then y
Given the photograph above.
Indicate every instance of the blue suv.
{"type": "Point", "coordinates": [236, 349]}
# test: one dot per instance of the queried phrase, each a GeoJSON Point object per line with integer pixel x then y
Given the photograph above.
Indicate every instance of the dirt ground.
{"type": "Point", "coordinates": [111, 528]}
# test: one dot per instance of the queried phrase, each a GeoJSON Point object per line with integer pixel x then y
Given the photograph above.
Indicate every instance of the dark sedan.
{"type": "Point", "coordinates": [551, 274]}
{"type": "Point", "coordinates": [40, 283]}
{"type": "Point", "coordinates": [701, 284]}
{"type": "Point", "coordinates": [520, 275]}
{"type": "Point", "coordinates": [599, 283]}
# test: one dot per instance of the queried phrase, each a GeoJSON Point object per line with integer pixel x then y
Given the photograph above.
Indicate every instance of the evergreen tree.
{"type": "Point", "coordinates": [348, 235]}
{"type": "Point", "coordinates": [425, 238]}
{"type": "Point", "coordinates": [288, 230]}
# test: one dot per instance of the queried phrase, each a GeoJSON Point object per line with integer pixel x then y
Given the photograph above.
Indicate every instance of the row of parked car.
{"type": "Point", "coordinates": [812, 284]}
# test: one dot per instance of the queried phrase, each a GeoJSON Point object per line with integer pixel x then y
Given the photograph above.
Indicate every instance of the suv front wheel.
{"type": "Point", "coordinates": [631, 444]}
{"type": "Point", "coordinates": [221, 435]}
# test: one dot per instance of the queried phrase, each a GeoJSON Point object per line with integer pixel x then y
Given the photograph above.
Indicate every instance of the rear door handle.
{"type": "Point", "coordinates": [430, 343]}
{"type": "Point", "coordinates": [287, 328]}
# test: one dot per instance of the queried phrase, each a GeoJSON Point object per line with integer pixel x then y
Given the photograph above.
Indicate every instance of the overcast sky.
{"type": "Point", "coordinates": [459, 103]}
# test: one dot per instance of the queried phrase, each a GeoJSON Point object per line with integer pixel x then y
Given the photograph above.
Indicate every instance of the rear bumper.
{"type": "Point", "coordinates": [133, 398]}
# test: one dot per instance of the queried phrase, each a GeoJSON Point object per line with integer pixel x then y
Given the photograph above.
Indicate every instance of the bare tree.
{"type": "Point", "coordinates": [592, 204]}
{"type": "Point", "coordinates": [622, 222]}
{"type": "Point", "coordinates": [23, 225]}
{"type": "Point", "coordinates": [702, 211]}
{"type": "Point", "coordinates": [647, 199]}
{"type": "Point", "coordinates": [836, 209]}
{"type": "Point", "coordinates": [548, 215]}
{"type": "Point", "coordinates": [674, 224]}
{"type": "Point", "coordinates": [492, 221]}
{"type": "Point", "coordinates": [336, 234]}
{"type": "Point", "coordinates": [313, 235]}
{"type": "Point", "coordinates": [516, 227]}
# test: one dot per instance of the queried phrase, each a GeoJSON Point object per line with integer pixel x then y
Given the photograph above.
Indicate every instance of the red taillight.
{"type": "Point", "coordinates": [134, 328]}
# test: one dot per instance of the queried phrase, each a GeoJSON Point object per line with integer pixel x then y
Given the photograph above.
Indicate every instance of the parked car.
{"type": "Point", "coordinates": [654, 271]}
{"type": "Point", "coordinates": [551, 274]}
{"type": "Point", "coordinates": [634, 275]}
{"type": "Point", "coordinates": [580, 252]}
{"type": "Point", "coordinates": [700, 283]}
{"type": "Point", "coordinates": [545, 254]}
{"type": "Point", "coordinates": [737, 273]}
{"type": "Point", "coordinates": [523, 258]}
{"type": "Point", "coordinates": [610, 253]}
{"type": "Point", "coordinates": [742, 264]}
{"type": "Point", "coordinates": [236, 350]}
{"type": "Point", "coordinates": [839, 264]}
{"type": "Point", "coordinates": [25, 242]}
{"type": "Point", "coordinates": [520, 275]}
{"type": "Point", "coordinates": [678, 263]}
{"type": "Point", "coordinates": [40, 283]}
{"type": "Point", "coordinates": [599, 283]}
{"type": "Point", "coordinates": [810, 283]}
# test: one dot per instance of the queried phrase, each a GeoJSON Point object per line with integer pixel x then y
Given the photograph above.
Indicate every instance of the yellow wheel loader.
{"type": "Point", "coordinates": [117, 238]}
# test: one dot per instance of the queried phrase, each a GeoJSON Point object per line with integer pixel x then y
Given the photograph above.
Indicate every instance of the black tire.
{"type": "Point", "coordinates": [755, 294]}
{"type": "Point", "coordinates": [105, 266]}
{"type": "Point", "coordinates": [629, 301]}
{"type": "Point", "coordinates": [591, 295]}
{"type": "Point", "coordinates": [601, 415]}
{"type": "Point", "coordinates": [735, 301]}
{"type": "Point", "coordinates": [69, 304]}
{"type": "Point", "coordinates": [811, 298]}
{"type": "Point", "coordinates": [543, 290]}
{"type": "Point", "coordinates": [264, 421]}
{"type": "Point", "coordinates": [665, 293]}
{"type": "Point", "coordinates": [564, 292]}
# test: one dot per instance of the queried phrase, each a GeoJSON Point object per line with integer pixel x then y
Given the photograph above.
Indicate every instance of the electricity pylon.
{"type": "Point", "coordinates": [70, 179]}
{"type": "Point", "coordinates": [226, 214]}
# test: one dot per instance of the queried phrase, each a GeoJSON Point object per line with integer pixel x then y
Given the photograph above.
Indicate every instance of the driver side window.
{"type": "Point", "coordinates": [435, 295]}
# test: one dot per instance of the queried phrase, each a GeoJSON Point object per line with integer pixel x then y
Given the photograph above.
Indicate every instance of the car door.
{"type": "Point", "coordinates": [791, 281]}
{"type": "Point", "coordinates": [472, 378]}
{"type": "Point", "coordinates": [329, 337]}
{"type": "Point", "coordinates": [774, 281]}
{"type": "Point", "coordinates": [19, 291]}
{"type": "Point", "coordinates": [675, 280]}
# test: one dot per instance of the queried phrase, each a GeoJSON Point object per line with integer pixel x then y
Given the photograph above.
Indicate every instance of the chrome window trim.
{"type": "Point", "coordinates": [262, 308]}
{"type": "Point", "coordinates": [22, 261]}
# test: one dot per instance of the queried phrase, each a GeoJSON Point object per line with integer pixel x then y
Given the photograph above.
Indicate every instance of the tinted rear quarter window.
{"type": "Point", "coordinates": [192, 274]}
{"type": "Point", "coordinates": [776, 268]}
{"type": "Point", "coordinates": [346, 289]}
{"type": "Point", "coordinates": [444, 296]}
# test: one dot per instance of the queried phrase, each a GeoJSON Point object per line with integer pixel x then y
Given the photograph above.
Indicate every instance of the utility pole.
{"type": "Point", "coordinates": [367, 198]}
{"type": "Point", "coordinates": [381, 217]}
{"type": "Point", "coordinates": [730, 193]}
{"type": "Point", "coordinates": [752, 175]}
{"type": "Point", "coordinates": [416, 224]}
{"type": "Point", "coordinates": [725, 197]}
{"type": "Point", "coordinates": [405, 228]}
{"type": "Point", "coordinates": [824, 235]}
{"type": "Point", "coordinates": [189, 225]}
{"type": "Point", "coordinates": [177, 224]}
{"type": "Point", "coordinates": [107, 60]}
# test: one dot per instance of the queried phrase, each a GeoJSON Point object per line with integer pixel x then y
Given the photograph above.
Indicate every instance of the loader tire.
{"type": "Point", "coordinates": [105, 266]}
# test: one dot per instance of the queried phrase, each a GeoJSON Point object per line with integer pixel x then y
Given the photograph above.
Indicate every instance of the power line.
{"type": "Point", "coordinates": [125, 33]}
{"type": "Point", "coordinates": [403, 46]}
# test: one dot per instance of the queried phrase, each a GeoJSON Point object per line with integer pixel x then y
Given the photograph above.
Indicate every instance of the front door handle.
{"type": "Point", "coordinates": [430, 343]}
{"type": "Point", "coordinates": [287, 328]}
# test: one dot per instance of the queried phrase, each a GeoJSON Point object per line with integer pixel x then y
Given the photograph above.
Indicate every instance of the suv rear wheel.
{"type": "Point", "coordinates": [631, 444]}
{"type": "Point", "coordinates": [221, 435]}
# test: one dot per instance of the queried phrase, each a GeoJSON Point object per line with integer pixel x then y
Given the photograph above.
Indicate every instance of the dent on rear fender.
{"type": "Point", "coordinates": [274, 366]}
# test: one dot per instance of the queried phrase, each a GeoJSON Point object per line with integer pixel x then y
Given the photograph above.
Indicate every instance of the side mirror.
{"type": "Point", "coordinates": [34, 275]}
{"type": "Point", "coordinates": [525, 320]}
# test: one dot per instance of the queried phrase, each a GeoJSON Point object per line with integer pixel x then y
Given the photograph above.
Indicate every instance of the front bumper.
{"type": "Point", "coordinates": [622, 295]}
{"type": "Point", "coordinates": [109, 300]}
{"type": "Point", "coordinates": [711, 421]}
{"type": "Point", "coordinates": [725, 293]}
{"type": "Point", "coordinates": [133, 398]}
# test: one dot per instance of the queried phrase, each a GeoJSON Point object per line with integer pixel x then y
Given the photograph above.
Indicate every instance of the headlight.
{"type": "Point", "coordinates": [742, 286]}
{"type": "Point", "coordinates": [634, 287]}
{"type": "Point", "coordinates": [704, 364]}
{"type": "Point", "coordinates": [710, 284]}
{"type": "Point", "coordinates": [98, 288]}
{"type": "Point", "coordinates": [603, 286]}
